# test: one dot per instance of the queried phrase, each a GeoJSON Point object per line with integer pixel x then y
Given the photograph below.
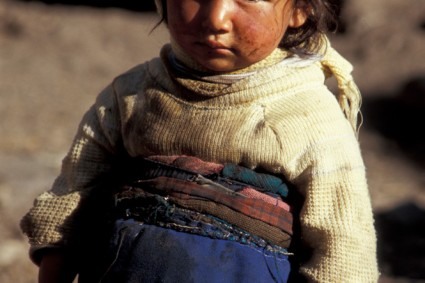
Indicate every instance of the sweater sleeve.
{"type": "Point", "coordinates": [336, 218]}
{"type": "Point", "coordinates": [53, 221]}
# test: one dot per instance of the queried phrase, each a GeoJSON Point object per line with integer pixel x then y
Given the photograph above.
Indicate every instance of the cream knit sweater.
{"type": "Point", "coordinates": [281, 118]}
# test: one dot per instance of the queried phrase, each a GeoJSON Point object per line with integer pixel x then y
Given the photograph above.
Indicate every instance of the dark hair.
{"type": "Point", "coordinates": [321, 18]}
{"type": "Point", "coordinates": [306, 39]}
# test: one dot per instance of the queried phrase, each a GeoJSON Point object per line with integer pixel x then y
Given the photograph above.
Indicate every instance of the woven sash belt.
{"type": "Point", "coordinates": [220, 201]}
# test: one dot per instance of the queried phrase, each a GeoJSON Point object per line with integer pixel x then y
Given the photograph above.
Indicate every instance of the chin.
{"type": "Point", "coordinates": [220, 68]}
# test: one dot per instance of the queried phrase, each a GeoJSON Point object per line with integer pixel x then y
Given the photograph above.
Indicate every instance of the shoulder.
{"type": "Point", "coordinates": [309, 108]}
{"type": "Point", "coordinates": [136, 78]}
{"type": "Point", "coordinates": [310, 122]}
{"type": "Point", "coordinates": [150, 73]}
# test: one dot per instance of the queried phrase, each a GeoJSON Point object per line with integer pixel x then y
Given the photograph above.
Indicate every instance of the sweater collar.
{"type": "Point", "coordinates": [278, 72]}
{"type": "Point", "coordinates": [263, 79]}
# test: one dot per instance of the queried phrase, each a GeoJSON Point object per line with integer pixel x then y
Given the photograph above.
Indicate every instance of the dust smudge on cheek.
{"type": "Point", "coordinates": [252, 44]}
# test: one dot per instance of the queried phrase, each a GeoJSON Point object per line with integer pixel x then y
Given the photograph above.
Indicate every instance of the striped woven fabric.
{"type": "Point", "coordinates": [235, 196]}
{"type": "Point", "coordinates": [199, 189]}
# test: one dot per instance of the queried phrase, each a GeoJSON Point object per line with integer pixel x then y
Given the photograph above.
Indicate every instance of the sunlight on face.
{"type": "Point", "coordinates": [226, 35]}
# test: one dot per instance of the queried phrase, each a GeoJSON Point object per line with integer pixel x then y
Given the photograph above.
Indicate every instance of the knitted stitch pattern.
{"type": "Point", "coordinates": [281, 119]}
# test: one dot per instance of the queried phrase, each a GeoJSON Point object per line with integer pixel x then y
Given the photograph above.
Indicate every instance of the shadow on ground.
{"type": "Point", "coordinates": [401, 241]}
{"type": "Point", "coordinates": [400, 117]}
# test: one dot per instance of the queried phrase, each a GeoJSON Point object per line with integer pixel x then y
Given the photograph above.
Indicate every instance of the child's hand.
{"type": "Point", "coordinates": [55, 268]}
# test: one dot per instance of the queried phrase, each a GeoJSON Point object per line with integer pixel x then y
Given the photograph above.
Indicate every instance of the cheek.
{"type": "Point", "coordinates": [182, 14]}
{"type": "Point", "coordinates": [260, 37]}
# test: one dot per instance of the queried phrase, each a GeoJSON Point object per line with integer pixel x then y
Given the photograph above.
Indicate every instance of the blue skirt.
{"type": "Point", "coordinates": [147, 253]}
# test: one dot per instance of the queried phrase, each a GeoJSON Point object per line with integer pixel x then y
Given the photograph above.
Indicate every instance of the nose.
{"type": "Point", "coordinates": [218, 15]}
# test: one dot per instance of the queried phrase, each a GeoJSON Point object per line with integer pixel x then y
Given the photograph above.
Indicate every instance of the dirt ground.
{"type": "Point", "coordinates": [54, 60]}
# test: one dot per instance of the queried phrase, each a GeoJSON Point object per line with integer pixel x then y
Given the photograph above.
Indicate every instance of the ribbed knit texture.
{"type": "Point", "coordinates": [281, 119]}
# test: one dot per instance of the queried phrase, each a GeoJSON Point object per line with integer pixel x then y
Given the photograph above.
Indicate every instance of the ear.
{"type": "Point", "coordinates": [298, 18]}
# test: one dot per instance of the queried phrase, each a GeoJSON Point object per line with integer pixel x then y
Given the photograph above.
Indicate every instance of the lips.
{"type": "Point", "coordinates": [211, 47]}
{"type": "Point", "coordinates": [215, 44]}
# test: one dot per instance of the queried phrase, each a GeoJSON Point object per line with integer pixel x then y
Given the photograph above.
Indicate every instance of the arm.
{"type": "Point", "coordinates": [55, 219]}
{"type": "Point", "coordinates": [336, 219]}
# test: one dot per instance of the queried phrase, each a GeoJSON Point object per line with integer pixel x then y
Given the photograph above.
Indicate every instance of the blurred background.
{"type": "Point", "coordinates": [55, 57]}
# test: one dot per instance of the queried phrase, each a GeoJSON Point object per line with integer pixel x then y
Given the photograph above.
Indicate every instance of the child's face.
{"type": "Point", "coordinates": [226, 35]}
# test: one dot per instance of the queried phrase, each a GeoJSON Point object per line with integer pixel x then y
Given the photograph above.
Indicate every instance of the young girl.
{"type": "Point", "coordinates": [227, 157]}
